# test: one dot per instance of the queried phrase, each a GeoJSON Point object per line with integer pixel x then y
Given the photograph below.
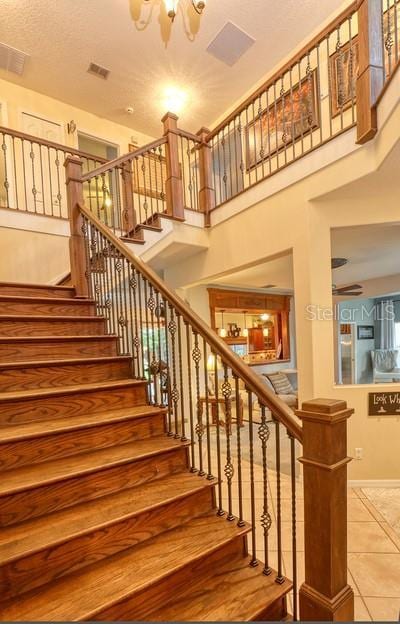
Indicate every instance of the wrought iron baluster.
{"type": "Point", "coordinates": [59, 195]}
{"type": "Point", "coordinates": [319, 90]}
{"type": "Point", "coordinates": [294, 531]}
{"type": "Point", "coordinates": [153, 365]}
{"type": "Point", "coordinates": [199, 428]}
{"type": "Point", "coordinates": [279, 579]}
{"type": "Point", "coordinates": [168, 386]}
{"type": "Point", "coordinates": [172, 327]}
{"type": "Point", "coordinates": [292, 126]}
{"type": "Point", "coordinates": [15, 177]}
{"type": "Point", "coordinates": [148, 349]}
{"type": "Point", "coordinates": [310, 116]}
{"type": "Point", "coordinates": [220, 510]}
{"type": "Point", "coordinates": [239, 408]}
{"type": "Point", "coordinates": [42, 180]}
{"type": "Point", "coordinates": [340, 75]}
{"type": "Point", "coordinates": [254, 561]}
{"type": "Point", "coordinates": [268, 131]}
{"type": "Point", "coordinates": [159, 313]}
{"type": "Point", "coordinates": [136, 344]}
{"type": "Point", "coordinates": [351, 71]}
{"type": "Point", "coordinates": [330, 90]}
{"type": "Point", "coordinates": [266, 521]}
{"type": "Point", "coordinates": [226, 390]}
{"type": "Point", "coordinates": [180, 364]}
{"type": "Point", "coordinates": [284, 133]}
{"type": "Point", "coordinates": [34, 190]}
{"type": "Point", "coordinates": [207, 406]}
{"type": "Point", "coordinates": [145, 191]}
{"type": "Point", "coordinates": [388, 37]}
{"type": "Point", "coordinates": [161, 157]}
{"type": "Point", "coordinates": [190, 396]}
{"type": "Point", "coordinates": [6, 183]}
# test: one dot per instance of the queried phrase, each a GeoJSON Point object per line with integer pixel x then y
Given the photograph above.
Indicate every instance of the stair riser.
{"type": "Point", "coordinates": [52, 563]}
{"type": "Point", "coordinates": [44, 327]}
{"type": "Point", "coordinates": [20, 290]}
{"type": "Point", "coordinates": [47, 309]}
{"type": "Point", "coordinates": [40, 501]}
{"type": "Point", "coordinates": [30, 378]}
{"type": "Point", "coordinates": [46, 448]}
{"type": "Point", "coordinates": [75, 404]}
{"type": "Point", "coordinates": [32, 351]}
{"type": "Point", "coordinates": [141, 604]}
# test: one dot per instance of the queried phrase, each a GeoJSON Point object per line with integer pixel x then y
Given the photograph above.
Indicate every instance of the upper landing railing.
{"type": "Point", "coordinates": [331, 85]}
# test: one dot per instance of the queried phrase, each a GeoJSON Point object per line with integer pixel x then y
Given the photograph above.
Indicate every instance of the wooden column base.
{"type": "Point", "coordinates": [317, 607]}
{"type": "Point", "coordinates": [77, 254]}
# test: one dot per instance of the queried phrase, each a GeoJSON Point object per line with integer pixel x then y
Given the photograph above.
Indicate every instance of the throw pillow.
{"type": "Point", "coordinates": [280, 383]}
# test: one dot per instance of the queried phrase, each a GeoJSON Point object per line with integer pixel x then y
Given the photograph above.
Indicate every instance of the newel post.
{"type": "Point", "coordinates": [371, 67]}
{"type": "Point", "coordinates": [128, 212]}
{"type": "Point", "coordinates": [173, 183]}
{"type": "Point", "coordinates": [77, 251]}
{"type": "Point", "coordinates": [206, 190]}
{"type": "Point", "coordinates": [325, 594]}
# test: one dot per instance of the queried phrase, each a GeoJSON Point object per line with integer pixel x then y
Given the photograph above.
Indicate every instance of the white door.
{"type": "Point", "coordinates": [43, 168]}
{"type": "Point", "coordinates": [347, 353]}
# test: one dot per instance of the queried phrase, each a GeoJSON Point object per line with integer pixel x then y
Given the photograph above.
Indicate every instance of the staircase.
{"type": "Point", "coordinates": [101, 518]}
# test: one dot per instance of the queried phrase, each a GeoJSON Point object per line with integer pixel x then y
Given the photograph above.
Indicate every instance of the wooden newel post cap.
{"type": "Point", "coordinates": [72, 160]}
{"type": "Point", "coordinates": [328, 411]}
{"type": "Point", "coordinates": [203, 133]}
{"type": "Point", "coordinates": [170, 121]}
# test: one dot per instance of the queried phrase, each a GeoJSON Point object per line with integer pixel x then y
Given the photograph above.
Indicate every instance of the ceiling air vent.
{"type": "Point", "coordinates": [230, 44]}
{"type": "Point", "coordinates": [99, 71]}
{"type": "Point", "coordinates": [12, 60]}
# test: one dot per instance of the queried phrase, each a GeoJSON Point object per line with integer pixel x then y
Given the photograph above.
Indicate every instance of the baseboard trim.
{"type": "Point", "coordinates": [383, 483]}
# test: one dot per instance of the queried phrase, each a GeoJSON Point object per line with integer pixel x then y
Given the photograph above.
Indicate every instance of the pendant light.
{"type": "Point", "coordinates": [245, 331]}
{"type": "Point", "coordinates": [222, 331]}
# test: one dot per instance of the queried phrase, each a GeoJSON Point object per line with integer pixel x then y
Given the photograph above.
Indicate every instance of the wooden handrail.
{"type": "Point", "coordinates": [57, 146]}
{"type": "Point", "coordinates": [295, 59]}
{"type": "Point", "coordinates": [281, 412]}
{"type": "Point", "coordinates": [117, 162]}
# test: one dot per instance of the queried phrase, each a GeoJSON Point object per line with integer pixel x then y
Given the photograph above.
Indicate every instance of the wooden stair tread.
{"type": "Point", "coordinates": [236, 592]}
{"type": "Point", "coordinates": [38, 286]}
{"type": "Point", "coordinates": [33, 535]}
{"type": "Point", "coordinates": [46, 300]}
{"type": "Point", "coordinates": [37, 475]}
{"type": "Point", "coordinates": [23, 431]}
{"type": "Point", "coordinates": [81, 595]}
{"type": "Point", "coordinates": [22, 395]}
{"type": "Point", "coordinates": [49, 318]}
{"type": "Point", "coordinates": [66, 361]}
{"type": "Point", "coordinates": [69, 338]}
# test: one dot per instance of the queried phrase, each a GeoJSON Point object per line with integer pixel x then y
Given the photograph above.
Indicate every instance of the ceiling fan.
{"type": "Point", "coordinates": [353, 290]}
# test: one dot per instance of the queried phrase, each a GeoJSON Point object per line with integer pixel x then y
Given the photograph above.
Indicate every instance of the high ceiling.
{"type": "Point", "coordinates": [62, 37]}
{"type": "Point", "coordinates": [276, 273]}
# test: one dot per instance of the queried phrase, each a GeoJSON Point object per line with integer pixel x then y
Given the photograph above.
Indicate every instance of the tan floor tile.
{"type": "Point", "coordinates": [373, 510]}
{"type": "Point", "coordinates": [391, 533]}
{"type": "Point", "coordinates": [351, 493]}
{"type": "Point", "coordinates": [357, 511]}
{"type": "Point", "coordinates": [368, 537]}
{"type": "Point", "coordinates": [352, 583]}
{"type": "Point", "coordinates": [360, 611]}
{"type": "Point", "coordinates": [382, 609]}
{"type": "Point", "coordinates": [377, 575]}
{"type": "Point", "coordinates": [359, 493]}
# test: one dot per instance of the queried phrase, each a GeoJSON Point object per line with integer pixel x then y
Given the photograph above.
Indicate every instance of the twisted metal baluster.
{"type": "Point", "coordinates": [284, 134]}
{"type": "Point", "coordinates": [279, 579]}
{"type": "Point", "coordinates": [388, 40]}
{"type": "Point", "coordinates": [6, 182]}
{"type": "Point", "coordinates": [34, 190]}
{"type": "Point", "coordinates": [254, 561]}
{"type": "Point", "coordinates": [146, 310]}
{"type": "Point", "coordinates": [310, 116]}
{"type": "Point", "coordinates": [294, 532]}
{"type": "Point", "coordinates": [220, 511]}
{"type": "Point", "coordinates": [196, 355]}
{"type": "Point", "coordinates": [59, 196]}
{"type": "Point", "coordinates": [340, 86]}
{"type": "Point", "coordinates": [168, 373]}
{"type": "Point", "coordinates": [153, 366]}
{"type": "Point", "coordinates": [206, 394]}
{"type": "Point", "coordinates": [180, 364]}
{"type": "Point", "coordinates": [190, 393]}
{"type": "Point", "coordinates": [226, 390]}
{"type": "Point", "coordinates": [266, 521]}
{"type": "Point", "coordinates": [159, 312]}
{"type": "Point", "coordinates": [174, 392]}
{"type": "Point", "coordinates": [239, 407]}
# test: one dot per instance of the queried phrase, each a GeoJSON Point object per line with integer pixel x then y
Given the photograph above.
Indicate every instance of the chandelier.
{"type": "Point", "coordinates": [171, 6]}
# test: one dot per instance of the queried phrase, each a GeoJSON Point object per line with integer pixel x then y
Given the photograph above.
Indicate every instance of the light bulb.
{"type": "Point", "coordinates": [245, 332]}
{"type": "Point", "coordinates": [266, 332]}
{"type": "Point", "coordinates": [170, 7]}
{"type": "Point", "coordinates": [264, 317]}
{"type": "Point", "coordinates": [174, 99]}
{"type": "Point", "coordinates": [222, 332]}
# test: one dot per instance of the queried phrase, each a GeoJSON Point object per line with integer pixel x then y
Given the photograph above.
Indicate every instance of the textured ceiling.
{"type": "Point", "coordinates": [63, 36]}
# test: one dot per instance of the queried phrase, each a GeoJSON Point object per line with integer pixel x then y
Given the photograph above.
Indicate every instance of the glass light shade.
{"type": "Point", "coordinates": [264, 317]}
{"type": "Point", "coordinates": [222, 332]}
{"type": "Point", "coordinates": [245, 332]}
{"type": "Point", "coordinates": [266, 332]}
{"type": "Point", "coordinates": [171, 7]}
{"type": "Point", "coordinates": [211, 362]}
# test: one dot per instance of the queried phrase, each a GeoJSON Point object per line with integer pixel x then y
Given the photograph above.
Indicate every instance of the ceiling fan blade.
{"type": "Point", "coordinates": [339, 293]}
{"type": "Point", "coordinates": [347, 288]}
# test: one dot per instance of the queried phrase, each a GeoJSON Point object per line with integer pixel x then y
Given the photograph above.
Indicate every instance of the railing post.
{"type": "Point", "coordinates": [77, 252]}
{"type": "Point", "coordinates": [325, 594]}
{"type": "Point", "coordinates": [173, 183]}
{"type": "Point", "coordinates": [371, 67]}
{"type": "Point", "coordinates": [206, 191]}
{"type": "Point", "coordinates": [128, 211]}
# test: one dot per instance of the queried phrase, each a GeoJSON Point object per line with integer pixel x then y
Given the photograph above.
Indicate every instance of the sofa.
{"type": "Point", "coordinates": [385, 365]}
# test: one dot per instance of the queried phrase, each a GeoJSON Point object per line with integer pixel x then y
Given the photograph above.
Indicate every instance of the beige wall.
{"type": "Point", "coordinates": [18, 99]}
{"type": "Point", "coordinates": [32, 256]}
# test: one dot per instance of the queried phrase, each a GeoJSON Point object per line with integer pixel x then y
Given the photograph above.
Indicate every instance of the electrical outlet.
{"type": "Point", "coordinates": [359, 453]}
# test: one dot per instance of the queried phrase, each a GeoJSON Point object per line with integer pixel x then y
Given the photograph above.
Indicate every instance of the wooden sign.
{"type": "Point", "coordinates": [384, 404]}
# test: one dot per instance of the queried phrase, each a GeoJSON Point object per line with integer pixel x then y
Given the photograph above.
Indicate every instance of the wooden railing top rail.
{"type": "Point", "coordinates": [51, 144]}
{"type": "Point", "coordinates": [339, 19]}
{"type": "Point", "coordinates": [120, 160]}
{"type": "Point", "coordinates": [280, 410]}
{"type": "Point", "coordinates": [188, 135]}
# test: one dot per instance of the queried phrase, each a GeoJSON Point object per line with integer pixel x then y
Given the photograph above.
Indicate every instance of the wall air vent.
{"type": "Point", "coordinates": [230, 44]}
{"type": "Point", "coordinates": [99, 71]}
{"type": "Point", "coordinates": [12, 60]}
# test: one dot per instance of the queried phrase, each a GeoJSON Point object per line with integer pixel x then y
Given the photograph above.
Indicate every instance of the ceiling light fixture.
{"type": "Point", "coordinates": [222, 331]}
{"type": "Point", "coordinates": [245, 331]}
{"type": "Point", "coordinates": [174, 99]}
{"type": "Point", "coordinates": [171, 8]}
